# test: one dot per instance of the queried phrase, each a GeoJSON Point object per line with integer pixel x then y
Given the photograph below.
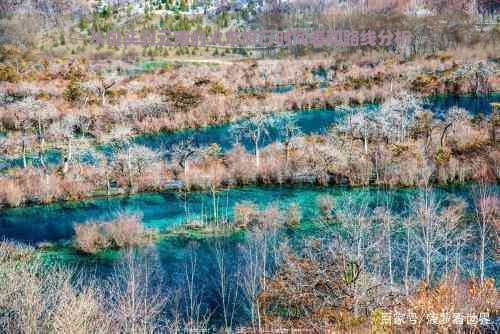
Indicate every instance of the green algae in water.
{"type": "Point", "coordinates": [68, 256]}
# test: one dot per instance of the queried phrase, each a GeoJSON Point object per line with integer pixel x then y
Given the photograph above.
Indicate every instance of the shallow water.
{"type": "Point", "coordinates": [163, 210]}
{"type": "Point", "coordinates": [54, 223]}
{"type": "Point", "coordinates": [170, 255]}
{"type": "Point", "coordinates": [308, 121]}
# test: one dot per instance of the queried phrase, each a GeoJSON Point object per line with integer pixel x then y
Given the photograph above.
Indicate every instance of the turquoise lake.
{"type": "Point", "coordinates": [54, 223]}
{"type": "Point", "coordinates": [170, 256]}
{"type": "Point", "coordinates": [308, 121]}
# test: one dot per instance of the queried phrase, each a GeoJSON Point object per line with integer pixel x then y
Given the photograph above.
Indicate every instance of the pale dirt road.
{"type": "Point", "coordinates": [201, 61]}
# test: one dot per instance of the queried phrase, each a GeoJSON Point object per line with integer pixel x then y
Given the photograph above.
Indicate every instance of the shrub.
{"type": "Point", "coordinates": [89, 238]}
{"type": "Point", "coordinates": [74, 73]}
{"type": "Point", "coordinates": [76, 186]}
{"type": "Point", "coordinates": [10, 251]}
{"type": "Point", "coordinates": [326, 204]}
{"type": "Point", "coordinates": [11, 193]}
{"type": "Point", "coordinates": [442, 156]}
{"type": "Point", "coordinates": [182, 98]}
{"type": "Point", "coordinates": [294, 215]}
{"type": "Point", "coordinates": [49, 189]}
{"type": "Point", "coordinates": [447, 294]}
{"type": "Point", "coordinates": [244, 213]}
{"type": "Point", "coordinates": [8, 73]}
{"type": "Point", "coordinates": [309, 296]}
{"type": "Point", "coordinates": [9, 52]}
{"type": "Point", "coordinates": [270, 217]}
{"type": "Point", "coordinates": [73, 92]}
{"type": "Point", "coordinates": [217, 88]}
{"type": "Point", "coordinates": [124, 231]}
{"type": "Point", "coordinates": [241, 165]}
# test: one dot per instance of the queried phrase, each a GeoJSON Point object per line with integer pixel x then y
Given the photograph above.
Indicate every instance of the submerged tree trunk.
{"type": "Point", "coordinates": [24, 153]}
{"type": "Point", "coordinates": [68, 159]}
{"type": "Point", "coordinates": [427, 263]}
{"type": "Point", "coordinates": [214, 203]}
{"type": "Point", "coordinates": [287, 153]}
{"type": "Point", "coordinates": [186, 168]}
{"type": "Point", "coordinates": [41, 139]}
{"type": "Point", "coordinates": [365, 138]}
{"type": "Point", "coordinates": [108, 185]}
{"type": "Point", "coordinates": [391, 276]}
{"type": "Point", "coordinates": [257, 153]}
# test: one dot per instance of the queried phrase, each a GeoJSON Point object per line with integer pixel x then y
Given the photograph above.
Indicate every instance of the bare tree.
{"type": "Point", "coordinates": [103, 163]}
{"type": "Point", "coordinates": [136, 159]}
{"type": "Point", "coordinates": [452, 117]}
{"type": "Point", "coordinates": [435, 227]}
{"type": "Point", "coordinates": [64, 129]}
{"type": "Point", "coordinates": [44, 114]}
{"type": "Point", "coordinates": [83, 123]}
{"type": "Point", "coordinates": [254, 273]}
{"type": "Point", "coordinates": [196, 320]}
{"type": "Point", "coordinates": [288, 130]}
{"type": "Point", "coordinates": [254, 128]}
{"type": "Point", "coordinates": [100, 87]}
{"type": "Point", "coordinates": [34, 115]}
{"type": "Point", "coordinates": [451, 216]}
{"type": "Point", "coordinates": [227, 287]}
{"type": "Point", "coordinates": [137, 307]}
{"type": "Point", "coordinates": [357, 224]}
{"type": "Point", "coordinates": [119, 136]}
{"type": "Point", "coordinates": [182, 151]}
{"type": "Point", "coordinates": [478, 73]}
{"type": "Point", "coordinates": [361, 124]}
{"type": "Point", "coordinates": [24, 124]}
{"type": "Point", "coordinates": [387, 220]}
{"type": "Point", "coordinates": [409, 228]}
{"type": "Point", "coordinates": [423, 126]}
{"type": "Point", "coordinates": [429, 238]}
{"type": "Point", "coordinates": [396, 115]}
{"type": "Point", "coordinates": [487, 211]}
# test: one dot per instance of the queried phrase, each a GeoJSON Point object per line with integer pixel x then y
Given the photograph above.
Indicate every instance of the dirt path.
{"type": "Point", "coordinates": [202, 61]}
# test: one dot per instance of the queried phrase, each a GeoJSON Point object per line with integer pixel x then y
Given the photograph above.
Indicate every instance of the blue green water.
{"type": "Point", "coordinates": [162, 210]}
{"type": "Point", "coordinates": [308, 121]}
{"type": "Point", "coordinates": [54, 223]}
{"type": "Point", "coordinates": [473, 104]}
{"type": "Point", "coordinates": [169, 256]}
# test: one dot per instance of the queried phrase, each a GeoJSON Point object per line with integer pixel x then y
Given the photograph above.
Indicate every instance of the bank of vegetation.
{"type": "Point", "coordinates": [392, 146]}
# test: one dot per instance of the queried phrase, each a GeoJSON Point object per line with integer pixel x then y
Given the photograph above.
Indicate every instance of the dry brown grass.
{"type": "Point", "coordinates": [11, 193]}
{"type": "Point", "coordinates": [37, 299]}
